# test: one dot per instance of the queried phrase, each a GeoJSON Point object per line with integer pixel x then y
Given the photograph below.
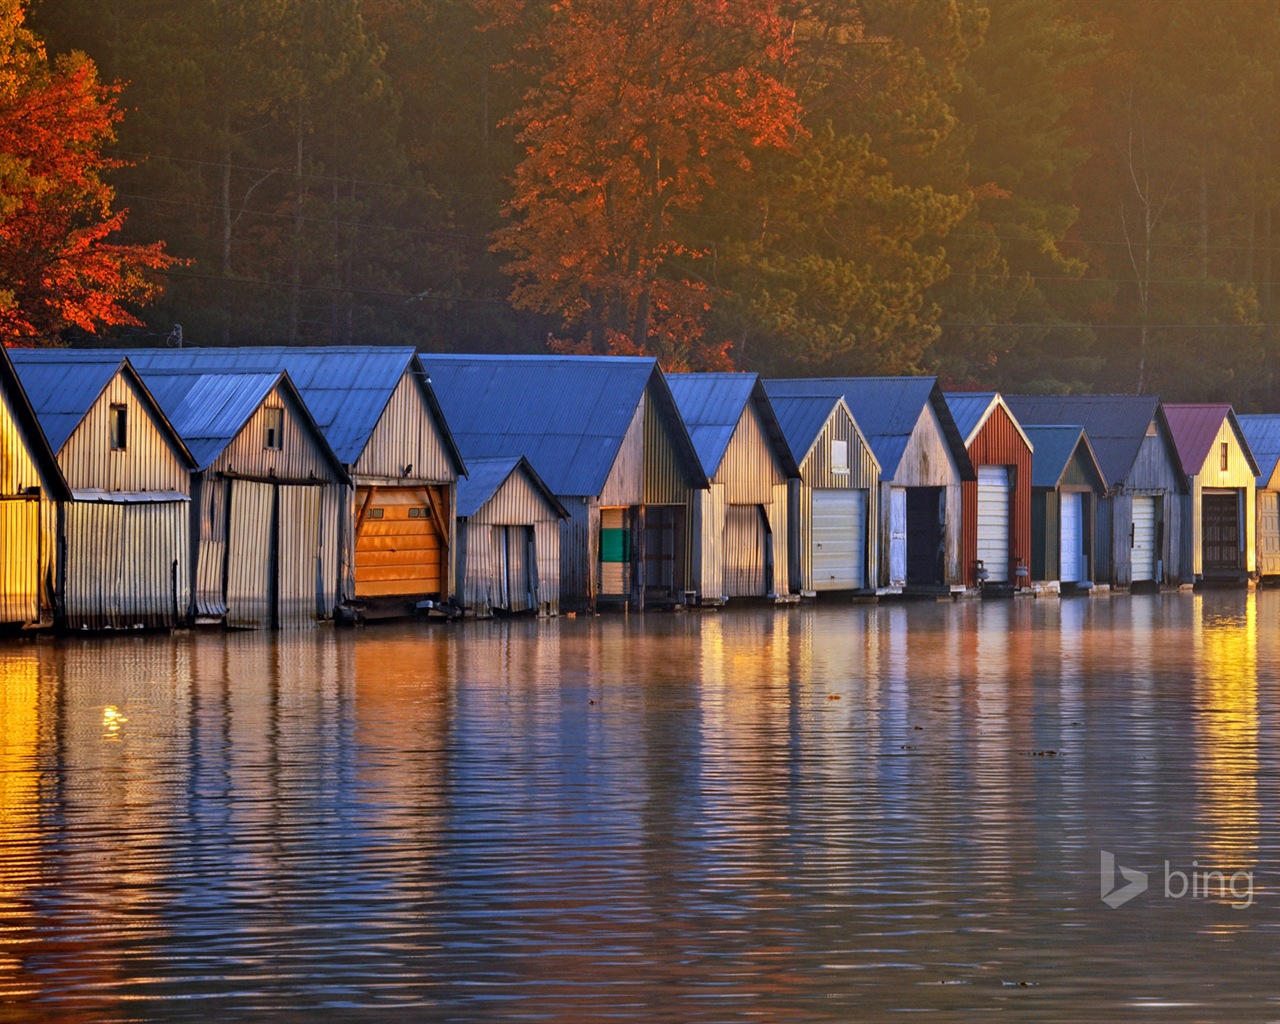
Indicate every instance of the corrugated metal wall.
{"type": "Point", "coordinates": [749, 469]}
{"type": "Point", "coordinates": [126, 564]}
{"type": "Point", "coordinates": [926, 462]}
{"type": "Point", "coordinates": [625, 483]}
{"type": "Point", "coordinates": [516, 503]}
{"type": "Point", "coordinates": [250, 563]}
{"type": "Point", "coordinates": [579, 552]}
{"type": "Point", "coordinates": [817, 472]}
{"type": "Point", "coordinates": [406, 435]}
{"type": "Point", "coordinates": [20, 539]}
{"type": "Point", "coordinates": [212, 497]}
{"type": "Point", "coordinates": [776, 513]}
{"type": "Point", "coordinates": [1237, 476]}
{"type": "Point", "coordinates": [300, 595]}
{"type": "Point", "coordinates": [707, 557]}
{"type": "Point", "coordinates": [147, 463]}
{"type": "Point", "coordinates": [1154, 473]}
{"type": "Point", "coordinates": [300, 457]}
{"type": "Point", "coordinates": [664, 479]}
{"type": "Point", "coordinates": [20, 560]}
{"type": "Point", "coordinates": [998, 443]}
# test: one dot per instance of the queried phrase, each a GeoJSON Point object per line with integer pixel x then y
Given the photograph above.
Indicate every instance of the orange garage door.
{"type": "Point", "coordinates": [400, 544]}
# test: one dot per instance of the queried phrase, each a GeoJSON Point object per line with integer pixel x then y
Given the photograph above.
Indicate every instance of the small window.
{"type": "Point", "coordinates": [118, 424]}
{"type": "Point", "coordinates": [839, 456]}
{"type": "Point", "coordinates": [275, 428]}
{"type": "Point", "coordinates": [417, 512]}
{"type": "Point", "coordinates": [374, 513]}
{"type": "Point", "coordinates": [1225, 456]}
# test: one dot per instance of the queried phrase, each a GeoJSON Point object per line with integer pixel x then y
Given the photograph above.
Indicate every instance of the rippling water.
{"type": "Point", "coordinates": [806, 814]}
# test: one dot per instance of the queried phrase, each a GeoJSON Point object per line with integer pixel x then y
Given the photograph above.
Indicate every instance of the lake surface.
{"type": "Point", "coordinates": [827, 813]}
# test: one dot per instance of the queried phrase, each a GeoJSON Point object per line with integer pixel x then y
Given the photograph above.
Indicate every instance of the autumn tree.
{"type": "Point", "coordinates": [59, 267]}
{"type": "Point", "coordinates": [639, 109]}
{"type": "Point", "coordinates": [831, 260]}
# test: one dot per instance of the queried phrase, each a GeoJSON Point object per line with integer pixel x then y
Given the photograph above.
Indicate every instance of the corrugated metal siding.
{"type": "Point", "coordinates": [250, 576]}
{"type": "Point", "coordinates": [664, 480]}
{"type": "Point", "coordinates": [1237, 476]}
{"type": "Point", "coordinates": [776, 512]}
{"type": "Point", "coordinates": [625, 483]}
{"type": "Point", "coordinates": [998, 443]}
{"type": "Point", "coordinates": [516, 503]}
{"type": "Point", "coordinates": [211, 555]}
{"type": "Point", "coordinates": [146, 464]}
{"type": "Point", "coordinates": [707, 561]}
{"type": "Point", "coordinates": [546, 539]}
{"type": "Point", "coordinates": [926, 462]}
{"type": "Point", "coordinates": [1155, 474]}
{"type": "Point", "coordinates": [749, 469]}
{"type": "Point", "coordinates": [299, 457]}
{"type": "Point", "coordinates": [406, 435]}
{"type": "Point", "coordinates": [816, 472]}
{"type": "Point", "coordinates": [20, 539]}
{"type": "Point", "coordinates": [300, 588]}
{"type": "Point", "coordinates": [126, 564]}
{"type": "Point", "coordinates": [579, 551]}
{"type": "Point", "coordinates": [745, 551]}
{"type": "Point", "coordinates": [20, 565]}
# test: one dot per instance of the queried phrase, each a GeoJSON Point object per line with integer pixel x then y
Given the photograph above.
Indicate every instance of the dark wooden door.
{"type": "Point", "coordinates": [1220, 530]}
{"type": "Point", "coordinates": [925, 512]}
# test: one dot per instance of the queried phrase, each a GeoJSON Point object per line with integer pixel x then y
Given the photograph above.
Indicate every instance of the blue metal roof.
{"type": "Point", "coordinates": [969, 408]}
{"type": "Point", "coordinates": [486, 475]}
{"type": "Point", "coordinates": [712, 404]}
{"type": "Point", "coordinates": [802, 418]}
{"type": "Point", "coordinates": [1116, 424]}
{"type": "Point", "coordinates": [346, 387]}
{"type": "Point", "coordinates": [1263, 434]}
{"type": "Point", "coordinates": [209, 409]}
{"type": "Point", "coordinates": [37, 444]}
{"type": "Point", "coordinates": [62, 389]}
{"type": "Point", "coordinates": [1053, 446]}
{"type": "Point", "coordinates": [567, 414]}
{"type": "Point", "coordinates": [887, 410]}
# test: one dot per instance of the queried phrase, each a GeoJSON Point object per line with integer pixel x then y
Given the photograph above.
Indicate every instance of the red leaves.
{"type": "Point", "coordinates": [57, 268]}
{"type": "Point", "coordinates": [640, 108]}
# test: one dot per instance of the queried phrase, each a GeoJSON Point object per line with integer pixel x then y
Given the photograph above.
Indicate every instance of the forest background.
{"type": "Point", "coordinates": [1017, 194]}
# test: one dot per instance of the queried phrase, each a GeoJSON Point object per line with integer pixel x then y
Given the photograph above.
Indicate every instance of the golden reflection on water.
{"type": "Point", "coordinates": [1226, 672]}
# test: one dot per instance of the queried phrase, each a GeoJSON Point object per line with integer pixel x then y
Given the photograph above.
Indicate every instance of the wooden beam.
{"type": "Point", "coordinates": [437, 516]}
{"type": "Point", "coordinates": [364, 509]}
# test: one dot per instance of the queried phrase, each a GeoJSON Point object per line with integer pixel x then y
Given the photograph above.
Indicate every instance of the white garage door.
{"type": "Point", "coordinates": [1143, 545]}
{"type": "Point", "coordinates": [993, 521]}
{"type": "Point", "coordinates": [839, 539]}
{"type": "Point", "coordinates": [1072, 538]}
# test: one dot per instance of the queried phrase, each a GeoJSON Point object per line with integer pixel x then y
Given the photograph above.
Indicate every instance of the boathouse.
{"type": "Point", "coordinates": [508, 551]}
{"type": "Point", "coordinates": [1220, 543]}
{"type": "Point", "coordinates": [29, 477]}
{"type": "Point", "coordinates": [604, 433]}
{"type": "Point", "coordinates": [396, 517]}
{"type": "Point", "coordinates": [996, 506]}
{"type": "Point", "coordinates": [739, 528]}
{"type": "Point", "coordinates": [263, 494]}
{"type": "Point", "coordinates": [124, 555]}
{"type": "Point", "coordinates": [831, 506]}
{"type": "Point", "coordinates": [922, 459]}
{"type": "Point", "coordinates": [1263, 434]}
{"type": "Point", "coordinates": [1138, 533]}
{"type": "Point", "coordinates": [1066, 485]}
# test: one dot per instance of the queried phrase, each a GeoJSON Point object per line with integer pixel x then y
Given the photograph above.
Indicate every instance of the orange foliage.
{"type": "Point", "coordinates": [640, 108]}
{"type": "Point", "coordinates": [57, 268]}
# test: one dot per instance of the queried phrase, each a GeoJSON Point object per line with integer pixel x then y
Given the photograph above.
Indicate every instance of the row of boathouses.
{"type": "Point", "coordinates": [268, 487]}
